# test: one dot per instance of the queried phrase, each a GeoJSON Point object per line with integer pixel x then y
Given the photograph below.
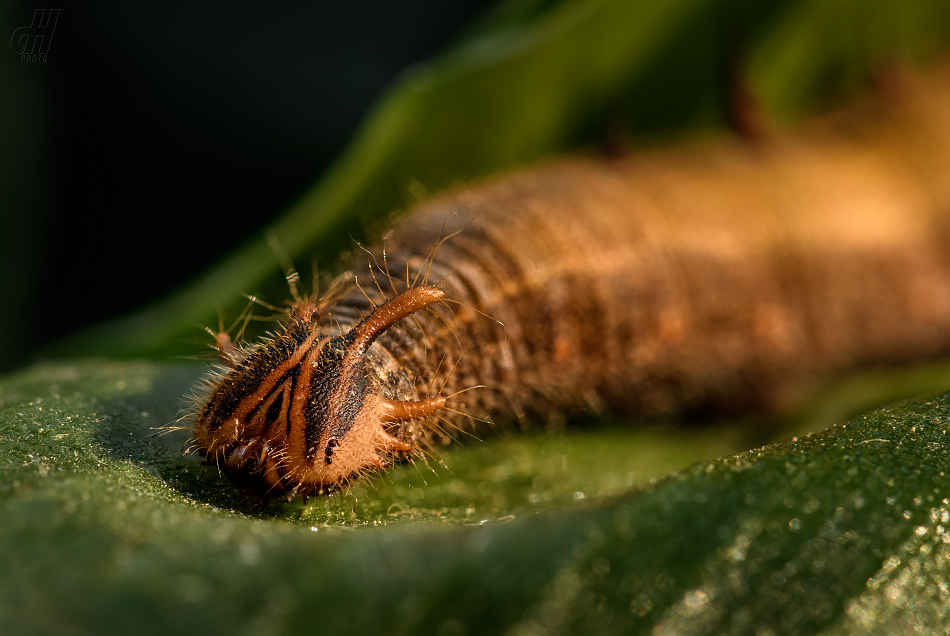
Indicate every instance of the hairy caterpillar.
{"type": "Point", "coordinates": [724, 276]}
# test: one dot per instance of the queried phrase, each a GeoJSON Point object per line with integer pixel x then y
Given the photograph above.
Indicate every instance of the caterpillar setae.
{"type": "Point", "coordinates": [723, 275]}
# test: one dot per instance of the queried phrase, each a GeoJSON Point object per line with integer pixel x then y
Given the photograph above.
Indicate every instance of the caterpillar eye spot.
{"type": "Point", "coordinates": [717, 278]}
{"type": "Point", "coordinates": [332, 444]}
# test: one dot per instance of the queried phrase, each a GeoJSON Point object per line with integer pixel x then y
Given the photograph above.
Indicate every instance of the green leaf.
{"type": "Point", "coordinates": [105, 529]}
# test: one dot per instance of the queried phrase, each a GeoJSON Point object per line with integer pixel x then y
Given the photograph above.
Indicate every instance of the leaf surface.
{"type": "Point", "coordinates": [105, 529]}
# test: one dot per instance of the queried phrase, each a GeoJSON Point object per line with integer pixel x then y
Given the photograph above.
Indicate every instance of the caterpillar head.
{"type": "Point", "coordinates": [299, 414]}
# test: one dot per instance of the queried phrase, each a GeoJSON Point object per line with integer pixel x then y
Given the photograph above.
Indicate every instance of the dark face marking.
{"type": "Point", "coordinates": [255, 369]}
{"type": "Point", "coordinates": [294, 376]}
{"type": "Point", "coordinates": [273, 412]}
{"type": "Point", "coordinates": [324, 418]}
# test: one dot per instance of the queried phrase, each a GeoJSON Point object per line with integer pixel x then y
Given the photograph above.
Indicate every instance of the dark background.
{"type": "Point", "coordinates": [156, 137]}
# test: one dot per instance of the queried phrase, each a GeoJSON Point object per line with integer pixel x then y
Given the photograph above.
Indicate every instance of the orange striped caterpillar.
{"type": "Point", "coordinates": [725, 276]}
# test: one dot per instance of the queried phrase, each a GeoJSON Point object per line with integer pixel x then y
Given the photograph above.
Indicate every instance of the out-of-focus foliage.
{"type": "Point", "coordinates": [539, 78]}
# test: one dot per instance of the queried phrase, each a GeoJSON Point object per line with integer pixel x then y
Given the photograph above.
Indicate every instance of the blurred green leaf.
{"type": "Point", "coordinates": [104, 529]}
{"type": "Point", "coordinates": [821, 47]}
{"type": "Point", "coordinates": [504, 98]}
{"type": "Point", "coordinates": [539, 78]}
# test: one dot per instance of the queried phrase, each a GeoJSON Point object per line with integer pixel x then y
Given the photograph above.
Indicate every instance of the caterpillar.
{"type": "Point", "coordinates": [723, 276]}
